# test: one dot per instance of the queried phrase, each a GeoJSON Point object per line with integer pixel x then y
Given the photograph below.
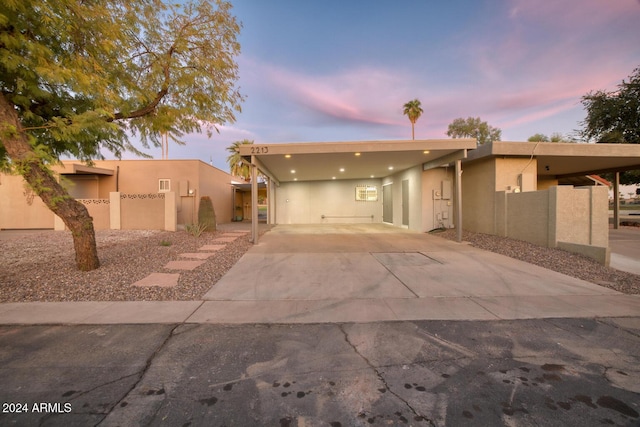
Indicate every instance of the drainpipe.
{"type": "Point", "coordinates": [117, 178]}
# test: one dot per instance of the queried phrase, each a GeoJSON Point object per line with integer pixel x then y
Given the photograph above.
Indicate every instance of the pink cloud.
{"type": "Point", "coordinates": [361, 95]}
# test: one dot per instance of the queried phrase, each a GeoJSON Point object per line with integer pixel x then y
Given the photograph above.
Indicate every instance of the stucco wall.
{"type": "Point", "coordinates": [306, 202]}
{"type": "Point", "coordinates": [217, 185]}
{"type": "Point", "coordinates": [575, 219]}
{"type": "Point", "coordinates": [18, 209]}
{"type": "Point", "coordinates": [478, 196]}
{"type": "Point", "coordinates": [527, 216]}
{"type": "Point", "coordinates": [98, 210]}
{"type": "Point", "coordinates": [141, 212]}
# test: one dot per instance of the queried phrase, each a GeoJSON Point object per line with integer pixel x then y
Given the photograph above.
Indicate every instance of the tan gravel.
{"type": "Point", "coordinates": [564, 262]}
{"type": "Point", "coordinates": [39, 266]}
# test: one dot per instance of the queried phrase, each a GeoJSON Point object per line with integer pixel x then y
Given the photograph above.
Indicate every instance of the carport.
{"type": "Point", "coordinates": [359, 160]}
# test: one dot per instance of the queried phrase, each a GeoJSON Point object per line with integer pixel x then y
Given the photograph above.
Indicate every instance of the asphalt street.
{"type": "Point", "coordinates": [545, 372]}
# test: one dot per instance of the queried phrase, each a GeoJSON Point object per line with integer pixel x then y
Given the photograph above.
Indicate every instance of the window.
{"type": "Point", "coordinates": [366, 193]}
{"type": "Point", "coordinates": [164, 185]}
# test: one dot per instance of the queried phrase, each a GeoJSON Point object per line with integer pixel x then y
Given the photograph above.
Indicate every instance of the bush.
{"type": "Point", "coordinates": [206, 214]}
{"type": "Point", "coordinates": [195, 229]}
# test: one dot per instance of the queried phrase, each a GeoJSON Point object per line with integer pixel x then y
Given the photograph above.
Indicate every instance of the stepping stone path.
{"type": "Point", "coordinates": [164, 280]}
{"type": "Point", "coordinates": [169, 280]}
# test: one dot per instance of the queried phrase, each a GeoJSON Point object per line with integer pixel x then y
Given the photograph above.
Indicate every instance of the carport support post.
{"type": "Point", "coordinates": [254, 201]}
{"type": "Point", "coordinates": [459, 201]}
{"type": "Point", "coordinates": [616, 201]}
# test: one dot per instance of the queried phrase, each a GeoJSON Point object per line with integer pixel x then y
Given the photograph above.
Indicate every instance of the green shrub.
{"type": "Point", "coordinates": [206, 214]}
{"type": "Point", "coordinates": [195, 229]}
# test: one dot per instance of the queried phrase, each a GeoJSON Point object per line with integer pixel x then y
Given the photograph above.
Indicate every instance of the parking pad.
{"type": "Point", "coordinates": [413, 259]}
{"type": "Point", "coordinates": [383, 273]}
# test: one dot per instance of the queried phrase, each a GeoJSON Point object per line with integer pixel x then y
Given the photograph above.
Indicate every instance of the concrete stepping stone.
{"type": "Point", "coordinates": [163, 280]}
{"type": "Point", "coordinates": [183, 265]}
{"type": "Point", "coordinates": [197, 255]}
{"type": "Point", "coordinates": [212, 247]}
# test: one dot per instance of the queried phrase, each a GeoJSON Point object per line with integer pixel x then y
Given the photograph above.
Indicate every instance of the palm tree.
{"type": "Point", "coordinates": [413, 110]}
{"type": "Point", "coordinates": [236, 165]}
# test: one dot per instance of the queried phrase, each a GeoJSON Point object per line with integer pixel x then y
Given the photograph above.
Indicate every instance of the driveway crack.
{"type": "Point", "coordinates": [383, 380]}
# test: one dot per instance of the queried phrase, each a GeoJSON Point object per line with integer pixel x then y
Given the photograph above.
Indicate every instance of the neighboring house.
{"type": "Point", "coordinates": [127, 194]}
{"type": "Point", "coordinates": [512, 189]}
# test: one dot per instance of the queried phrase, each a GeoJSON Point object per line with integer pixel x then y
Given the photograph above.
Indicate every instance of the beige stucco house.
{"type": "Point", "coordinates": [126, 194]}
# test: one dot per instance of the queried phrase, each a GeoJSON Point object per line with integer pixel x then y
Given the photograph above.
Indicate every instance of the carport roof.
{"type": "Point", "coordinates": [315, 161]}
{"type": "Point", "coordinates": [562, 160]}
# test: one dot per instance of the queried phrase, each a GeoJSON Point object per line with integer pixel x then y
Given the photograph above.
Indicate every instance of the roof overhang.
{"type": "Point", "coordinates": [566, 159]}
{"type": "Point", "coordinates": [319, 161]}
{"type": "Point", "coordinates": [77, 169]}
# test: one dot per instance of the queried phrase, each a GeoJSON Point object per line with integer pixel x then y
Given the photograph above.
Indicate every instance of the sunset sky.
{"type": "Point", "coordinates": [337, 70]}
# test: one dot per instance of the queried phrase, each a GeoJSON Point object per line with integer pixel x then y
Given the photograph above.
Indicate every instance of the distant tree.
{"type": "Point", "coordinates": [614, 117]}
{"type": "Point", "coordinates": [79, 77]}
{"type": "Point", "coordinates": [538, 137]}
{"type": "Point", "coordinates": [236, 166]}
{"type": "Point", "coordinates": [413, 110]}
{"type": "Point", "coordinates": [555, 137]}
{"type": "Point", "coordinates": [473, 128]}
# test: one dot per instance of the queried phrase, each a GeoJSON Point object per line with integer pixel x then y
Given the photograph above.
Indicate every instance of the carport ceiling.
{"type": "Point", "coordinates": [349, 160]}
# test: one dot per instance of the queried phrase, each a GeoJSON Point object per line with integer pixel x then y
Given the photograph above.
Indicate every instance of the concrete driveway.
{"type": "Point", "coordinates": [363, 273]}
{"type": "Point", "coordinates": [625, 249]}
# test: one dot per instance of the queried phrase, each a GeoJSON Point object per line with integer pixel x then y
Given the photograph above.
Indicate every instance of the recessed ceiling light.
{"type": "Point", "coordinates": [372, 176]}
{"type": "Point", "coordinates": [293, 171]}
{"type": "Point", "coordinates": [295, 179]}
{"type": "Point", "coordinates": [341, 169]}
{"type": "Point", "coordinates": [390, 168]}
{"type": "Point", "coordinates": [333, 177]}
{"type": "Point", "coordinates": [357, 154]}
{"type": "Point", "coordinates": [287, 156]}
{"type": "Point", "coordinates": [425, 152]}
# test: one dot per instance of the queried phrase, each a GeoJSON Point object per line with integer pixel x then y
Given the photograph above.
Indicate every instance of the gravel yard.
{"type": "Point", "coordinates": [564, 262]}
{"type": "Point", "coordinates": [39, 266]}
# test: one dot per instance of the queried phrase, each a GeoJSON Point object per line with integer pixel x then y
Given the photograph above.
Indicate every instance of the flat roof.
{"type": "Point", "coordinates": [87, 170]}
{"type": "Point", "coordinates": [566, 159]}
{"type": "Point", "coordinates": [315, 161]}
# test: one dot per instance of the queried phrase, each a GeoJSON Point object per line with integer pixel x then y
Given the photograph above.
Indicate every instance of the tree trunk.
{"type": "Point", "coordinates": [40, 179]}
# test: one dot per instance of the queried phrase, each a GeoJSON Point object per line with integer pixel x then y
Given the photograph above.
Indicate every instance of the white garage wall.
{"type": "Point", "coordinates": [306, 202]}
{"type": "Point", "coordinates": [414, 175]}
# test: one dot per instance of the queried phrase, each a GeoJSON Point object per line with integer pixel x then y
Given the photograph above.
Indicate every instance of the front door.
{"type": "Point", "coordinates": [387, 203]}
{"type": "Point", "coordinates": [405, 202]}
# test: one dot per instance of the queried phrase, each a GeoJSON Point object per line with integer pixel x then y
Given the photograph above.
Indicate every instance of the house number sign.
{"type": "Point", "coordinates": [259, 149]}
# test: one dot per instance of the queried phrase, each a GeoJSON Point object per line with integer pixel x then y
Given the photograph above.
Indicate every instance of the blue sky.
{"type": "Point", "coordinates": [341, 70]}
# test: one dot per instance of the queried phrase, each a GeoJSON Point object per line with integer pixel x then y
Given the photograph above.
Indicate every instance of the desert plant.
{"type": "Point", "coordinates": [196, 230]}
{"type": "Point", "coordinates": [165, 243]}
{"type": "Point", "coordinates": [206, 214]}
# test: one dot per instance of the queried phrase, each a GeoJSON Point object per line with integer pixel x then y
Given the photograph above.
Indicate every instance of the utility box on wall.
{"type": "Point", "coordinates": [447, 190]}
